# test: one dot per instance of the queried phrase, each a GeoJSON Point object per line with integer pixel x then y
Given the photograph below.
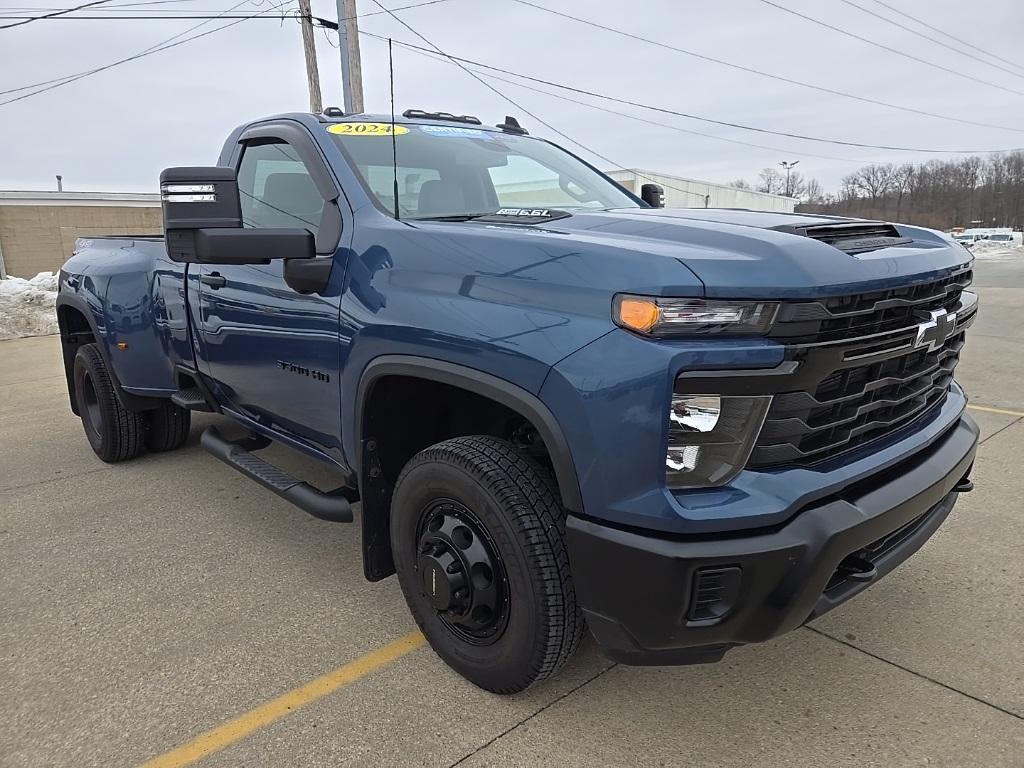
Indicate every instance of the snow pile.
{"type": "Point", "coordinates": [27, 306]}
{"type": "Point", "coordinates": [989, 250]}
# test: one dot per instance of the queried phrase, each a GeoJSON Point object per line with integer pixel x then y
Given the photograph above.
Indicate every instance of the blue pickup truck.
{"type": "Point", "coordinates": [555, 404]}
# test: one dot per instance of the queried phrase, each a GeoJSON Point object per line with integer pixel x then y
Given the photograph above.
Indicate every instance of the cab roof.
{"type": "Point", "coordinates": [421, 117]}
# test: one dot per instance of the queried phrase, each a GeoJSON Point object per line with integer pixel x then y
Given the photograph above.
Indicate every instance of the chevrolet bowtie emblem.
{"type": "Point", "coordinates": [932, 333]}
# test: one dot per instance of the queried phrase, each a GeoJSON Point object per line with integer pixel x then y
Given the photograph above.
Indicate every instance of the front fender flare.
{"type": "Point", "coordinates": [501, 391]}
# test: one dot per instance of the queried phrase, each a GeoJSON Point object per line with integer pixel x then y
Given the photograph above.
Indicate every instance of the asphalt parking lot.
{"type": "Point", "coordinates": [168, 609]}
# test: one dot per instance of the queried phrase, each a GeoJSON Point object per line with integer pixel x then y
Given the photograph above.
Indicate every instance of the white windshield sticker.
{"type": "Point", "coordinates": [450, 130]}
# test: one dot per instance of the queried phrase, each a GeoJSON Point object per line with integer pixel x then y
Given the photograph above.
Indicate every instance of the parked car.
{"type": "Point", "coordinates": [557, 404]}
{"type": "Point", "coordinates": [968, 240]}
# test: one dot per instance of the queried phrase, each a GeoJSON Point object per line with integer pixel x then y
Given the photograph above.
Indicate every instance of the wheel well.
{"type": "Point", "coordinates": [74, 332]}
{"type": "Point", "coordinates": [401, 416]}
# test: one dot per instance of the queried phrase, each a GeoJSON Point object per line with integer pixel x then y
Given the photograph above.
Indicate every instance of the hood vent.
{"type": "Point", "coordinates": [853, 238]}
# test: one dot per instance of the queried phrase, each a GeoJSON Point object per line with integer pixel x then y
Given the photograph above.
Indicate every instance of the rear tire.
{"type": "Point", "coordinates": [167, 427]}
{"type": "Point", "coordinates": [478, 537]}
{"type": "Point", "coordinates": [114, 432]}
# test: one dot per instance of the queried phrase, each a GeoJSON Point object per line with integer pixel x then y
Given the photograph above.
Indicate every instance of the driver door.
{"type": "Point", "coordinates": [273, 353]}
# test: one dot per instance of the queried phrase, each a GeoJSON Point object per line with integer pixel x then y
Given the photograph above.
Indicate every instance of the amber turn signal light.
{"type": "Point", "coordinates": [638, 314]}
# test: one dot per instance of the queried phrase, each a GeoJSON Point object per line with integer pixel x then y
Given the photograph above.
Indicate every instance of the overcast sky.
{"type": "Point", "coordinates": [117, 129]}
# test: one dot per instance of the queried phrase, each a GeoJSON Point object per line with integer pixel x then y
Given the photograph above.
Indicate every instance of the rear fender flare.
{"type": "Point", "coordinates": [130, 401]}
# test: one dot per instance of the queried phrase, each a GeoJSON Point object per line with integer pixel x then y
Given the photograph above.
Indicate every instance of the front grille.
{"type": "Point", "coordinates": [861, 314]}
{"type": "Point", "coordinates": [867, 383]}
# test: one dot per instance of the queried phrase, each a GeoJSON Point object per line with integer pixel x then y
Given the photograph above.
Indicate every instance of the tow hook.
{"type": "Point", "coordinates": [964, 486]}
{"type": "Point", "coordinates": [857, 568]}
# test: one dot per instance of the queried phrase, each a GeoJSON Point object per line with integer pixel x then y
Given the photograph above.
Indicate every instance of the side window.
{"type": "Point", "coordinates": [276, 189]}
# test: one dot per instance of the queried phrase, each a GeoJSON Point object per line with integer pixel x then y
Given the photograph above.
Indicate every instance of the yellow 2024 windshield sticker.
{"type": "Point", "coordinates": [366, 129]}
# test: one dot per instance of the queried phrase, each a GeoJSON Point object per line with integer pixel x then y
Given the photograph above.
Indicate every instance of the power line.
{"type": "Point", "coordinates": [780, 78]}
{"type": "Point", "coordinates": [150, 18]}
{"type": "Point", "coordinates": [163, 46]}
{"type": "Point", "coordinates": [890, 49]}
{"type": "Point", "coordinates": [644, 120]}
{"type": "Point", "coordinates": [54, 14]}
{"type": "Point", "coordinates": [690, 116]}
{"type": "Point", "coordinates": [153, 49]}
{"type": "Point", "coordinates": [114, 5]}
{"type": "Point", "coordinates": [79, 75]}
{"type": "Point", "coordinates": [152, 15]}
{"type": "Point", "coordinates": [947, 34]}
{"type": "Point", "coordinates": [113, 8]}
{"type": "Point", "coordinates": [520, 107]}
{"type": "Point", "coordinates": [904, 27]}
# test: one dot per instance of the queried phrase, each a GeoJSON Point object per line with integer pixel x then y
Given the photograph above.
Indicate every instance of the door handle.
{"type": "Point", "coordinates": [214, 280]}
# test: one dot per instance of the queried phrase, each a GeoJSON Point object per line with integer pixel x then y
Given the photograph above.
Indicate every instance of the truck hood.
{"type": "Point", "coordinates": [747, 254]}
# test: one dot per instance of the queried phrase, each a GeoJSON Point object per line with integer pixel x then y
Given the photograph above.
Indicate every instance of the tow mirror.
{"type": "Point", "coordinates": [203, 222]}
{"type": "Point", "coordinates": [653, 195]}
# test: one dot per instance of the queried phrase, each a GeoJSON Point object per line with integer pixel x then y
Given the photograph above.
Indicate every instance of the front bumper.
{"type": "Point", "coordinates": [641, 594]}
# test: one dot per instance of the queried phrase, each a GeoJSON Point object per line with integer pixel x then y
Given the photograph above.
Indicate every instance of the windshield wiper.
{"type": "Point", "coordinates": [453, 217]}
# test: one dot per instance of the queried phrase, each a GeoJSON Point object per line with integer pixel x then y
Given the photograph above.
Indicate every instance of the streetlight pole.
{"type": "Point", "coordinates": [789, 167]}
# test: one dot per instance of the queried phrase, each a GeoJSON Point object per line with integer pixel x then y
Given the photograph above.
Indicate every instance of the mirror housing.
{"type": "Point", "coordinates": [203, 222]}
{"type": "Point", "coordinates": [220, 245]}
{"type": "Point", "coordinates": [197, 198]}
{"type": "Point", "coordinates": [653, 195]}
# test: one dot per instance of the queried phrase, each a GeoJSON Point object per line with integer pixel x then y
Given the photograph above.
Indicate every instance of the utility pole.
{"type": "Point", "coordinates": [60, 183]}
{"type": "Point", "coordinates": [309, 49]}
{"type": "Point", "coordinates": [789, 167]}
{"type": "Point", "coordinates": [351, 64]}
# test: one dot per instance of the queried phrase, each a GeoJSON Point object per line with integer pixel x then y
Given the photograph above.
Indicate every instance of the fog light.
{"type": "Point", "coordinates": [710, 437]}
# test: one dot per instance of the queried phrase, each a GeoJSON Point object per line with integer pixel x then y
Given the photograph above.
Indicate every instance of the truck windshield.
{"type": "Point", "coordinates": [454, 172]}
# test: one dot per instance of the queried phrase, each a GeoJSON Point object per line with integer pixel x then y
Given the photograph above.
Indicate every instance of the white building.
{"type": "Point", "coordinates": [690, 193]}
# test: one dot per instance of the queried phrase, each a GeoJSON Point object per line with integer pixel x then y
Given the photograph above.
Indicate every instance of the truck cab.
{"type": "Point", "coordinates": [554, 405]}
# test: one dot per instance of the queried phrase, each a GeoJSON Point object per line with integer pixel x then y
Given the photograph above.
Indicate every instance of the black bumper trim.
{"type": "Point", "coordinates": [635, 589]}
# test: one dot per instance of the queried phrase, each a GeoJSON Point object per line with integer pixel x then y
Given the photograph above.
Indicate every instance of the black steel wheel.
{"type": "Point", "coordinates": [114, 432]}
{"type": "Point", "coordinates": [478, 537]}
{"type": "Point", "coordinates": [461, 573]}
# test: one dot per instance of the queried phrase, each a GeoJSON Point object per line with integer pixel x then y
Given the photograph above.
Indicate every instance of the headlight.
{"type": "Point", "coordinates": [710, 438]}
{"type": "Point", "coordinates": [678, 317]}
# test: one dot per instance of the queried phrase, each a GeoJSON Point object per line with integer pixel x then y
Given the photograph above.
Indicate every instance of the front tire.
{"type": "Point", "coordinates": [478, 537]}
{"type": "Point", "coordinates": [114, 432]}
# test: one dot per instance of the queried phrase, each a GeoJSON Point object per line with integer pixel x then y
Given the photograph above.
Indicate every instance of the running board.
{"type": "Point", "coordinates": [333, 506]}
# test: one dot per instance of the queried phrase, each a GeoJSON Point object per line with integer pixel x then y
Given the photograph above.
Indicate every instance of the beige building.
{"type": "Point", "coordinates": [681, 192]}
{"type": "Point", "coordinates": [38, 229]}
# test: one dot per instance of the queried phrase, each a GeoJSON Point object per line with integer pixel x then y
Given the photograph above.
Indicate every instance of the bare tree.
{"type": "Point", "coordinates": [938, 193]}
{"type": "Point", "coordinates": [813, 192]}
{"type": "Point", "coordinates": [871, 180]}
{"type": "Point", "coordinates": [771, 181]}
{"type": "Point", "coordinates": [740, 184]}
{"type": "Point", "coordinates": [793, 184]}
{"type": "Point", "coordinates": [902, 181]}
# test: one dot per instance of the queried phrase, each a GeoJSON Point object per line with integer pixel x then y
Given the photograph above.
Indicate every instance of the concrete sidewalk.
{"type": "Point", "coordinates": [145, 603]}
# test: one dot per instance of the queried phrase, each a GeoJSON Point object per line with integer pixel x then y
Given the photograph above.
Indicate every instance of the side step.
{"type": "Point", "coordinates": [333, 506]}
{"type": "Point", "coordinates": [192, 400]}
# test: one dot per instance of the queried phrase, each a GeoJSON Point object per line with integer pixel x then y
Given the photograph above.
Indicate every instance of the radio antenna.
{"type": "Point", "coordinates": [394, 139]}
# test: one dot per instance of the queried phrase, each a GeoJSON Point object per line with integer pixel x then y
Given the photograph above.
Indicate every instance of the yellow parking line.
{"type": "Point", "coordinates": [238, 728]}
{"type": "Point", "coordinates": [995, 410]}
